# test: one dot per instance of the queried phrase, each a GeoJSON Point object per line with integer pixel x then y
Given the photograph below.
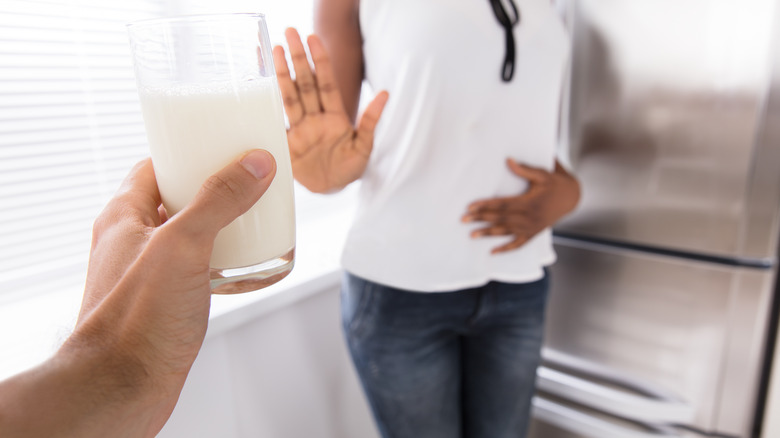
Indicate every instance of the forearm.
{"type": "Point", "coordinates": [79, 393]}
{"type": "Point", "coordinates": [570, 192]}
{"type": "Point", "coordinates": [337, 23]}
{"type": "Point", "coordinates": [144, 318]}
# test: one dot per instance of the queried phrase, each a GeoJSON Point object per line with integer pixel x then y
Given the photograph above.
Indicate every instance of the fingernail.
{"type": "Point", "coordinates": [259, 163]}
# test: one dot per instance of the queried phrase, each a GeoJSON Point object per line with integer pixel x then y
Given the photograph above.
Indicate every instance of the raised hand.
{"type": "Point", "coordinates": [327, 150]}
{"type": "Point", "coordinates": [549, 197]}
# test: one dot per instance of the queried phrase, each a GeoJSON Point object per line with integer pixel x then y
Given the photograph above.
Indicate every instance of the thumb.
{"type": "Point", "coordinates": [227, 195]}
{"type": "Point", "coordinates": [369, 120]}
{"type": "Point", "coordinates": [532, 174]}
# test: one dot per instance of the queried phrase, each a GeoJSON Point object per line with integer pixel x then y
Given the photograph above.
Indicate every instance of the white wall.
{"type": "Point", "coordinates": [279, 14]}
{"type": "Point", "coordinates": [285, 375]}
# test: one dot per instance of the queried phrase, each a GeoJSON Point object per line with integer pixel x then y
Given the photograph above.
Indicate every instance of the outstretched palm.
{"type": "Point", "coordinates": [327, 151]}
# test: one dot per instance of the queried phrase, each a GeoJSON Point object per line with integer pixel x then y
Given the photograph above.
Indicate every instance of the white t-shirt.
{"type": "Point", "coordinates": [445, 135]}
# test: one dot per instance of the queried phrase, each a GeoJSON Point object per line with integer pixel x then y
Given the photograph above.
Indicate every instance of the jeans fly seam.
{"type": "Point", "coordinates": [475, 317]}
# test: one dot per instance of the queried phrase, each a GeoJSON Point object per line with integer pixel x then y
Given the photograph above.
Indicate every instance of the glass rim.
{"type": "Point", "coordinates": [195, 18]}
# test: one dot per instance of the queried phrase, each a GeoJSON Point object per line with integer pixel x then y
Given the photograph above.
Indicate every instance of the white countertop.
{"type": "Point", "coordinates": [32, 329]}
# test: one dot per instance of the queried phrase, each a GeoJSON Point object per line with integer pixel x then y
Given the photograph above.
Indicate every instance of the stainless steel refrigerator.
{"type": "Point", "coordinates": [661, 305]}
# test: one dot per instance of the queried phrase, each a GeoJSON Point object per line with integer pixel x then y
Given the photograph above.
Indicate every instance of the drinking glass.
{"type": "Point", "coordinates": [208, 94]}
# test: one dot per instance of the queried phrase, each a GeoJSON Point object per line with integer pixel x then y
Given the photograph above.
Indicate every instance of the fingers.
{"type": "Point", "coordinates": [511, 246]}
{"type": "Point", "coordinates": [494, 205]}
{"type": "Point", "coordinates": [493, 230]}
{"type": "Point", "coordinates": [292, 102]}
{"type": "Point", "coordinates": [163, 214]}
{"type": "Point", "coordinates": [519, 237]}
{"type": "Point", "coordinates": [532, 174]}
{"type": "Point", "coordinates": [304, 77]}
{"type": "Point", "coordinates": [120, 232]}
{"type": "Point", "coordinates": [139, 189]}
{"type": "Point", "coordinates": [226, 195]}
{"type": "Point", "coordinates": [136, 201]}
{"type": "Point", "coordinates": [536, 176]}
{"type": "Point", "coordinates": [512, 216]}
{"type": "Point", "coordinates": [483, 216]}
{"type": "Point", "coordinates": [329, 93]}
{"type": "Point", "coordinates": [521, 217]}
{"type": "Point", "coordinates": [140, 177]}
{"type": "Point", "coordinates": [368, 122]}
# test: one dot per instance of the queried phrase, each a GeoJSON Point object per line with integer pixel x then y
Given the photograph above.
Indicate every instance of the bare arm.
{"type": "Point", "coordinates": [337, 23]}
{"type": "Point", "coordinates": [144, 313]}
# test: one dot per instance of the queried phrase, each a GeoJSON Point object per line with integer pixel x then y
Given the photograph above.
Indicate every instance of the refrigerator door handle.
{"type": "Point", "coordinates": [583, 424]}
{"type": "Point", "coordinates": [614, 399]}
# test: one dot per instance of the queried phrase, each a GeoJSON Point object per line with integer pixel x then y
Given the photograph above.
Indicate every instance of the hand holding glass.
{"type": "Point", "coordinates": [209, 93]}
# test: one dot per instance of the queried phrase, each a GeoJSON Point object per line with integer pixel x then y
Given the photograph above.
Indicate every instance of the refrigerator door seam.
{"type": "Point", "coordinates": [613, 401]}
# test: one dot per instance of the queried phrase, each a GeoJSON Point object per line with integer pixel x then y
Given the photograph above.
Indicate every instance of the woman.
{"type": "Point", "coordinates": [445, 286]}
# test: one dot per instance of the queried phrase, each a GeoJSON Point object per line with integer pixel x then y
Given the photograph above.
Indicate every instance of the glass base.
{"type": "Point", "coordinates": [251, 278]}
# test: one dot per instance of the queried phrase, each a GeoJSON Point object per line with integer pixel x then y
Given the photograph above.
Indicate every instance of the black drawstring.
{"type": "Point", "coordinates": [508, 23]}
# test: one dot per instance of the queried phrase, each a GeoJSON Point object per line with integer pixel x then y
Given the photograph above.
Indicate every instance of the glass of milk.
{"type": "Point", "coordinates": [208, 94]}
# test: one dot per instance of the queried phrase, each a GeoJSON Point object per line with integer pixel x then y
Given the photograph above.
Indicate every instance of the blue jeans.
{"type": "Point", "coordinates": [457, 364]}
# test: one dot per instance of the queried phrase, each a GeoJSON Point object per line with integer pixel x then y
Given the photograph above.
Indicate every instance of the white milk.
{"type": "Point", "coordinates": [194, 131]}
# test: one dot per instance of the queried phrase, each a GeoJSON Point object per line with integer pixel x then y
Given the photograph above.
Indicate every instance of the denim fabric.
{"type": "Point", "coordinates": [457, 364]}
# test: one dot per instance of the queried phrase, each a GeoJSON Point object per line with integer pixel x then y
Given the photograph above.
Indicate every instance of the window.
{"type": "Point", "coordinates": [71, 127]}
